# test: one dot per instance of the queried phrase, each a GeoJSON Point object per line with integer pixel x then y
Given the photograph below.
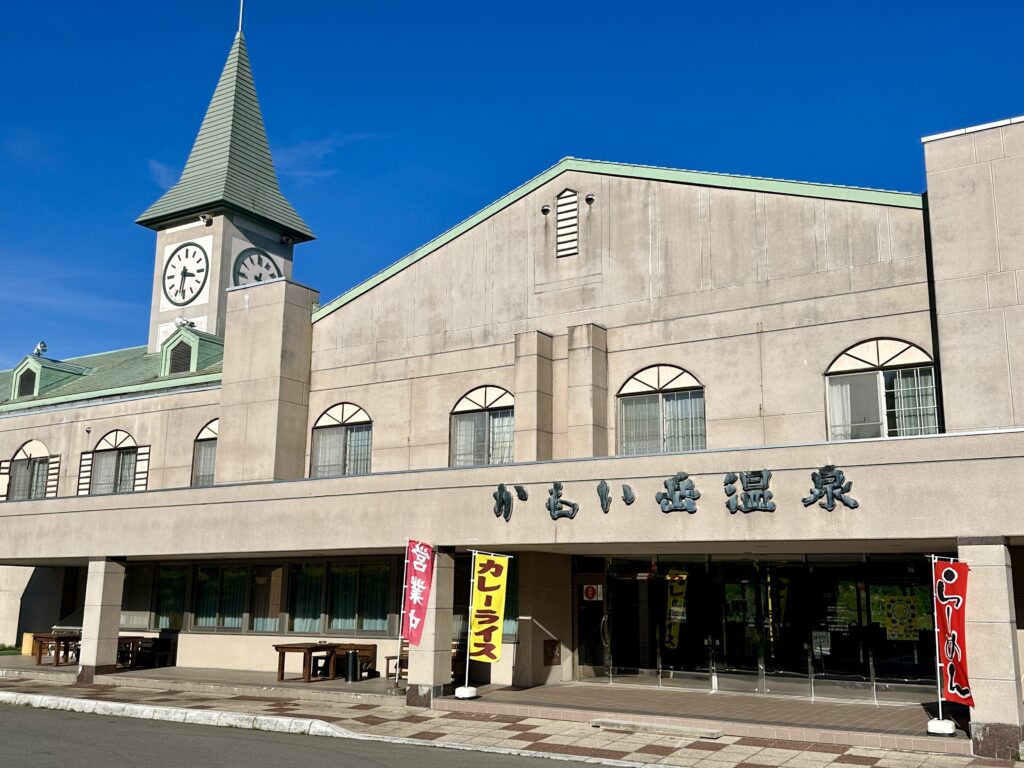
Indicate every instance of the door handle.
{"type": "Point", "coordinates": [605, 640]}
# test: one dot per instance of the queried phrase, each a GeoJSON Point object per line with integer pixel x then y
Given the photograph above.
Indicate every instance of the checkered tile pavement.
{"type": "Point", "coordinates": [528, 734]}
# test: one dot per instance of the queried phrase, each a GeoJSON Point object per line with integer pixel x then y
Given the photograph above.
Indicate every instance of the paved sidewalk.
{"type": "Point", "coordinates": [539, 737]}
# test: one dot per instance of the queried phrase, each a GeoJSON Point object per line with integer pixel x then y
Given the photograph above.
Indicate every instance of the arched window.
{"type": "Point", "coordinates": [204, 455]}
{"type": "Point", "coordinates": [881, 388]}
{"type": "Point", "coordinates": [483, 428]}
{"type": "Point", "coordinates": [31, 473]}
{"type": "Point", "coordinates": [113, 464]}
{"type": "Point", "coordinates": [342, 440]}
{"type": "Point", "coordinates": [661, 410]}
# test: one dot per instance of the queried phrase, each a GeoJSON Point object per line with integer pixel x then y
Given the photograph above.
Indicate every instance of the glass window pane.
{"type": "Point", "coordinates": [137, 595]}
{"type": "Point", "coordinates": [20, 485]}
{"type": "Point", "coordinates": [910, 403]}
{"type": "Point", "coordinates": [328, 452]}
{"type": "Point", "coordinates": [502, 437]}
{"type": "Point", "coordinates": [684, 420]}
{"type": "Point", "coordinates": [304, 599]}
{"type": "Point", "coordinates": [639, 424]}
{"type": "Point", "coordinates": [854, 411]}
{"type": "Point", "coordinates": [203, 463]}
{"type": "Point", "coordinates": [39, 468]}
{"type": "Point", "coordinates": [232, 596]}
{"type": "Point", "coordinates": [104, 467]}
{"type": "Point", "coordinates": [469, 439]}
{"type": "Point", "coordinates": [170, 598]}
{"type": "Point", "coordinates": [264, 615]}
{"type": "Point", "coordinates": [374, 585]}
{"type": "Point", "coordinates": [126, 470]}
{"type": "Point", "coordinates": [344, 593]}
{"type": "Point", "coordinates": [207, 591]}
{"type": "Point", "coordinates": [357, 449]}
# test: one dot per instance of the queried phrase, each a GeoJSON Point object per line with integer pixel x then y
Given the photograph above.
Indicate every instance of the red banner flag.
{"type": "Point", "coordinates": [419, 573]}
{"type": "Point", "coordinates": [950, 584]}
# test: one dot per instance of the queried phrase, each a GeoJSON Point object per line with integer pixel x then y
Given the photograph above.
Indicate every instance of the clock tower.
{"type": "Point", "coordinates": [225, 222]}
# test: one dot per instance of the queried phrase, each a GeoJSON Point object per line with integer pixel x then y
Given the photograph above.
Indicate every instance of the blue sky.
{"type": "Point", "coordinates": [391, 122]}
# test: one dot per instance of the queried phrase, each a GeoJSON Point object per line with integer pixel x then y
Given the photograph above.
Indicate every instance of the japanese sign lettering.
{"type": "Point", "coordinates": [559, 507]}
{"type": "Point", "coordinates": [679, 495]}
{"type": "Point", "coordinates": [604, 496]}
{"type": "Point", "coordinates": [950, 581]}
{"type": "Point", "coordinates": [419, 573]}
{"type": "Point", "coordinates": [487, 613]}
{"type": "Point", "coordinates": [830, 484]}
{"type": "Point", "coordinates": [502, 502]}
{"type": "Point", "coordinates": [755, 496]}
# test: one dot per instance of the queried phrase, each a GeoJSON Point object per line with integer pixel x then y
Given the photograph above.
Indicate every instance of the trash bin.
{"type": "Point", "coordinates": [352, 666]}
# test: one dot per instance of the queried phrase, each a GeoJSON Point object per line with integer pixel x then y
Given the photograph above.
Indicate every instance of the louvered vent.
{"type": "Point", "coordinates": [27, 383]}
{"type": "Point", "coordinates": [181, 358]}
{"type": "Point", "coordinates": [567, 221]}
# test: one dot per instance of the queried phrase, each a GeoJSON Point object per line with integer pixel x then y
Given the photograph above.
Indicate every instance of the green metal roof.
{"type": "Point", "coordinates": [121, 372]}
{"type": "Point", "coordinates": [647, 172]}
{"type": "Point", "coordinates": [230, 164]}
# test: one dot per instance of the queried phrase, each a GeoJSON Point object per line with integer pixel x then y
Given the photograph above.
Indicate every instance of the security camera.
{"type": "Point", "coordinates": [589, 199]}
{"type": "Point", "coordinates": [545, 209]}
{"type": "Point", "coordinates": [207, 219]}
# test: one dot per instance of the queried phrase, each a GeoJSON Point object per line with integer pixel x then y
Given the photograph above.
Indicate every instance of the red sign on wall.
{"type": "Point", "coordinates": [950, 585]}
{"type": "Point", "coordinates": [419, 572]}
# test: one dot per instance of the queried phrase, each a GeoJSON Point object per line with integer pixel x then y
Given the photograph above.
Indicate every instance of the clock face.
{"type": "Point", "coordinates": [185, 274]}
{"type": "Point", "coordinates": [254, 266]}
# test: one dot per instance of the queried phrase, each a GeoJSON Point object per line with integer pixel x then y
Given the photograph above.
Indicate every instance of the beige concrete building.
{"type": "Point", "coordinates": [837, 373]}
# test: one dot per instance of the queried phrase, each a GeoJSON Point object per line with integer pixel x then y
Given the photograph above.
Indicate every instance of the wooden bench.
{"type": "Point", "coordinates": [402, 661]}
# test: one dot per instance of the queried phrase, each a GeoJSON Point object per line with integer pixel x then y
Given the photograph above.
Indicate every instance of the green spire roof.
{"type": "Point", "coordinates": [230, 165]}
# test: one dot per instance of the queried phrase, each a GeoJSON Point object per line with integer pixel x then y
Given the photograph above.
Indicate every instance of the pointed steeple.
{"type": "Point", "coordinates": [230, 165]}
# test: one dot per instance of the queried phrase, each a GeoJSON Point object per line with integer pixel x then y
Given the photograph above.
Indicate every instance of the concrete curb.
{"type": "Point", "coordinates": [274, 723]}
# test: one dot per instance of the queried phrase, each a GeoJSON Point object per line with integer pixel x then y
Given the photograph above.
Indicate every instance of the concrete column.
{"type": "Point", "coordinates": [588, 391]}
{"type": "Point", "coordinates": [101, 620]}
{"type": "Point", "coordinates": [992, 660]}
{"type": "Point", "coordinates": [264, 399]}
{"type": "Point", "coordinates": [545, 619]}
{"type": "Point", "coordinates": [13, 583]}
{"type": "Point", "coordinates": [430, 665]}
{"type": "Point", "coordinates": [533, 396]}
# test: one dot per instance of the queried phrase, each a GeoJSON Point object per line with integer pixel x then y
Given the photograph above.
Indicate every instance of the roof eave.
{"type": "Point", "coordinates": [157, 222]}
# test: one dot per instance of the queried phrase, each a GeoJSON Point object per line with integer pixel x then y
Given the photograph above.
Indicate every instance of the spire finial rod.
{"type": "Point", "coordinates": [241, 13]}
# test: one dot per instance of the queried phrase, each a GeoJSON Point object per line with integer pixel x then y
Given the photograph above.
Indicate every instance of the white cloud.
{"type": "Point", "coordinates": [309, 160]}
{"type": "Point", "coordinates": [164, 175]}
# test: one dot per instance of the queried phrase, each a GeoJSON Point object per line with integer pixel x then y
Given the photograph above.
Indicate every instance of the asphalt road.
{"type": "Point", "coordinates": [40, 738]}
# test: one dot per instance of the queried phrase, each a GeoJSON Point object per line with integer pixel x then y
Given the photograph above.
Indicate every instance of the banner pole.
{"type": "Point", "coordinates": [469, 623]}
{"type": "Point", "coordinates": [401, 616]}
{"type": "Point", "coordinates": [935, 618]}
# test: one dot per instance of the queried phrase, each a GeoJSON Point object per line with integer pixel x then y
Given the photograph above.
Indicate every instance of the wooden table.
{"type": "Point", "coordinates": [128, 647]}
{"type": "Point", "coordinates": [41, 643]}
{"type": "Point", "coordinates": [308, 650]}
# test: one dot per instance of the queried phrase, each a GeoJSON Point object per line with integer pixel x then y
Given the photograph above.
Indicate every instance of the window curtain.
{"type": "Point", "coordinates": [204, 463]}
{"type": "Point", "coordinates": [126, 470]}
{"type": "Point", "coordinates": [104, 468]}
{"type": "Point", "coordinates": [684, 421]}
{"type": "Point", "coordinates": [136, 595]}
{"type": "Point", "coordinates": [357, 449]}
{"type": "Point", "coordinates": [232, 596]}
{"type": "Point", "coordinates": [328, 452]}
{"type": "Point", "coordinates": [266, 598]}
{"type": "Point", "coordinates": [469, 438]}
{"type": "Point", "coordinates": [502, 436]}
{"type": "Point", "coordinates": [639, 425]}
{"type": "Point", "coordinates": [839, 413]}
{"type": "Point", "coordinates": [170, 598]}
{"type": "Point", "coordinates": [307, 583]}
{"type": "Point", "coordinates": [342, 608]}
{"type": "Point", "coordinates": [910, 402]}
{"type": "Point", "coordinates": [373, 596]}
{"type": "Point", "coordinates": [207, 590]}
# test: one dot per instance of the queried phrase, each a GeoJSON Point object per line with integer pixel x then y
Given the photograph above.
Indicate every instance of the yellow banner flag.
{"type": "Point", "coordinates": [487, 614]}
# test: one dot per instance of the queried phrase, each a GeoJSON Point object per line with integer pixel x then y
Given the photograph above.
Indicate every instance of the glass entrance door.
{"type": "Point", "coordinates": [634, 591]}
{"type": "Point", "coordinates": [592, 631]}
{"type": "Point", "coordinates": [737, 637]}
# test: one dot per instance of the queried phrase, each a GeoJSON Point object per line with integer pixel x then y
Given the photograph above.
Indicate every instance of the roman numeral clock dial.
{"type": "Point", "coordinates": [185, 274]}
